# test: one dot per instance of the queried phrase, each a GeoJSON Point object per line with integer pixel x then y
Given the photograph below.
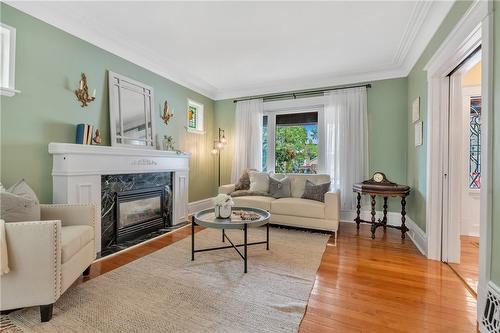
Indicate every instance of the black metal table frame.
{"type": "Point", "coordinates": [381, 222]}
{"type": "Point", "coordinates": [245, 244]}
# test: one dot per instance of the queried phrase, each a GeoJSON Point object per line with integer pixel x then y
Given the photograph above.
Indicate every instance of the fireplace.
{"type": "Point", "coordinates": [134, 208]}
{"type": "Point", "coordinates": [139, 212]}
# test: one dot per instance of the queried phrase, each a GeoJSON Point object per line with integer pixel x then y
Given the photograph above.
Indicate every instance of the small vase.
{"type": "Point", "coordinates": [223, 212]}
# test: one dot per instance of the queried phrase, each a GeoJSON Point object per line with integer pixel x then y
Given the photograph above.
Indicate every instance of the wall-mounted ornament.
{"type": "Point", "coordinates": [82, 93]}
{"type": "Point", "coordinates": [166, 115]}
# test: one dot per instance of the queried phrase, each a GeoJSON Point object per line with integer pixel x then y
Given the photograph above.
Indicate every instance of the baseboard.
{"type": "Point", "coordinates": [417, 235]}
{"type": "Point", "coordinates": [196, 206]}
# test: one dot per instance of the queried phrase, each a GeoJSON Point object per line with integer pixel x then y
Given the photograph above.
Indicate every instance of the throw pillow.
{"type": "Point", "coordinates": [19, 203]}
{"type": "Point", "coordinates": [244, 181]}
{"type": "Point", "coordinates": [259, 181]}
{"type": "Point", "coordinates": [315, 192]}
{"type": "Point", "coordinates": [279, 188]}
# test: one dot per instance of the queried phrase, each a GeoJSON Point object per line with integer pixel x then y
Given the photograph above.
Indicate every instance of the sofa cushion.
{"type": "Point", "coordinates": [19, 203]}
{"type": "Point", "coordinates": [298, 182]}
{"type": "Point", "coordinates": [315, 192]}
{"type": "Point", "coordinates": [279, 188]}
{"type": "Point", "coordinates": [74, 238]}
{"type": "Point", "coordinates": [298, 207]}
{"type": "Point", "coordinates": [244, 181]}
{"type": "Point", "coordinates": [259, 181]}
{"type": "Point", "coordinates": [254, 201]}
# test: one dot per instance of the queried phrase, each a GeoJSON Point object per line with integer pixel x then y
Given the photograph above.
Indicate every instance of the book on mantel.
{"type": "Point", "coordinates": [84, 134]}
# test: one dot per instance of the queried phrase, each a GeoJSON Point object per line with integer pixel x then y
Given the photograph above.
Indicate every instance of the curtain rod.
{"type": "Point", "coordinates": [294, 94]}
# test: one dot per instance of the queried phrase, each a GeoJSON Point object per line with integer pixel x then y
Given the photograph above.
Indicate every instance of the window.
{"type": "Point", "coordinates": [195, 117]}
{"type": "Point", "coordinates": [7, 60]}
{"type": "Point", "coordinates": [290, 142]}
{"type": "Point", "coordinates": [475, 142]}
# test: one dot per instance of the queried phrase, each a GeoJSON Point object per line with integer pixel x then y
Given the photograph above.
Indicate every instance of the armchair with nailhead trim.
{"type": "Point", "coordinates": [46, 257]}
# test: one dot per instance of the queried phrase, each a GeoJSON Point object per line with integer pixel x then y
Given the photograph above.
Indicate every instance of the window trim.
{"type": "Point", "coordinates": [200, 128]}
{"type": "Point", "coordinates": [271, 133]}
{"type": "Point", "coordinates": [10, 90]}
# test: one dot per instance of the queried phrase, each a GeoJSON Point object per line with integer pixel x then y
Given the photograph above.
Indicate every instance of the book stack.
{"type": "Point", "coordinates": [84, 134]}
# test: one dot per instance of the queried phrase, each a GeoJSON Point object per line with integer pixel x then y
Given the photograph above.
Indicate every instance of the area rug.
{"type": "Point", "coordinates": [167, 292]}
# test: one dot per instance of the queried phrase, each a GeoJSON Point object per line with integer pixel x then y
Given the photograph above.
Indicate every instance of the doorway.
{"type": "Point", "coordinates": [464, 178]}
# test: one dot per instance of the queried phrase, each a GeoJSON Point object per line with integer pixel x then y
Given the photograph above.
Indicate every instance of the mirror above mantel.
{"type": "Point", "coordinates": [131, 112]}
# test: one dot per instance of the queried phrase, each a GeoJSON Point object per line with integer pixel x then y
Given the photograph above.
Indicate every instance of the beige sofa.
{"type": "Point", "coordinates": [46, 257]}
{"type": "Point", "coordinates": [295, 211]}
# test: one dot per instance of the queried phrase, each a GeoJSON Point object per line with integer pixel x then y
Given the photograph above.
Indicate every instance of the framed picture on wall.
{"type": "Point", "coordinates": [418, 134]}
{"type": "Point", "coordinates": [415, 110]}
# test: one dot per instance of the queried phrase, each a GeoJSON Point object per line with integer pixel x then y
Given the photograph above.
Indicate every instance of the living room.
{"type": "Point", "coordinates": [249, 166]}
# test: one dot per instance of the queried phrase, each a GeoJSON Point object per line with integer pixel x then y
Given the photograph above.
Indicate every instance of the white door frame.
{"type": "Point", "coordinates": [474, 29]}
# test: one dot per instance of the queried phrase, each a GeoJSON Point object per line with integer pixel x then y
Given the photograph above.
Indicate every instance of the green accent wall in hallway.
{"type": "Point", "coordinates": [48, 66]}
{"type": "Point", "coordinates": [387, 126]}
{"type": "Point", "coordinates": [417, 86]}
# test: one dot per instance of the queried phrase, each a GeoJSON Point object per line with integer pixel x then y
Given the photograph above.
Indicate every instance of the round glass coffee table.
{"type": "Point", "coordinates": [206, 218]}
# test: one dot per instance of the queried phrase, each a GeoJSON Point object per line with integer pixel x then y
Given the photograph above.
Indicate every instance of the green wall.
{"type": "Point", "coordinates": [387, 126]}
{"type": "Point", "coordinates": [48, 66]}
{"type": "Point", "coordinates": [417, 86]}
{"type": "Point", "coordinates": [495, 250]}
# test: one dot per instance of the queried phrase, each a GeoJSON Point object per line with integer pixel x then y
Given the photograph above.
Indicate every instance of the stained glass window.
{"type": "Point", "coordinates": [475, 142]}
{"type": "Point", "coordinates": [195, 117]}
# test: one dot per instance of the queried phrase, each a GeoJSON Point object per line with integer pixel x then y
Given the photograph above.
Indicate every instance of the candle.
{"type": "Point", "coordinates": [93, 94]}
{"type": "Point", "coordinates": [81, 84]}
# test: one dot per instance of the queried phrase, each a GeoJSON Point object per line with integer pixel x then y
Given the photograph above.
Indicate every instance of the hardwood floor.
{"type": "Point", "coordinates": [468, 268]}
{"type": "Point", "coordinates": [364, 285]}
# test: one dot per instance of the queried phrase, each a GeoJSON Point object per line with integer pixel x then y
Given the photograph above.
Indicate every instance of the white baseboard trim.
{"type": "Point", "coordinates": [417, 235]}
{"type": "Point", "coordinates": [196, 206]}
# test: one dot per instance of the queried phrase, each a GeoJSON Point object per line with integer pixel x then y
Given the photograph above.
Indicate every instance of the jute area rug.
{"type": "Point", "coordinates": [167, 292]}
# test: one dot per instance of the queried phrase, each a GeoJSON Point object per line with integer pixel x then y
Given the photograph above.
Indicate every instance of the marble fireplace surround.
{"type": "Point", "coordinates": [77, 171]}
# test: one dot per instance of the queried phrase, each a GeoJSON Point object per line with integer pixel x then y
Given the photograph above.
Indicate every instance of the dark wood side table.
{"type": "Point", "coordinates": [378, 185]}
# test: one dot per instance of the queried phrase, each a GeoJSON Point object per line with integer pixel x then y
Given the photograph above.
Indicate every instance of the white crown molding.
{"type": "Point", "coordinates": [417, 17]}
{"type": "Point", "coordinates": [118, 45]}
{"type": "Point", "coordinates": [310, 83]}
{"type": "Point", "coordinates": [423, 23]}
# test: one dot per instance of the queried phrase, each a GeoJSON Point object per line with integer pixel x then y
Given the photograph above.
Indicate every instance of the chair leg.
{"type": "Point", "coordinates": [46, 312]}
{"type": "Point", "coordinates": [86, 272]}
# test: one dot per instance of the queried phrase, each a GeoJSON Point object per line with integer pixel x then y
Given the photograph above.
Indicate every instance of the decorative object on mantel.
{"type": "Point", "coordinates": [380, 185]}
{"type": "Point", "coordinates": [223, 204]}
{"type": "Point", "coordinates": [82, 93]}
{"type": "Point", "coordinates": [168, 143]}
{"type": "Point", "coordinates": [166, 115]}
{"type": "Point", "coordinates": [415, 110]}
{"type": "Point", "coordinates": [84, 134]}
{"type": "Point", "coordinates": [218, 146]}
{"type": "Point", "coordinates": [97, 137]}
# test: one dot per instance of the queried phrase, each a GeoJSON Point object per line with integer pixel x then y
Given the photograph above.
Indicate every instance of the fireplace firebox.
{"type": "Point", "coordinates": [139, 212]}
{"type": "Point", "coordinates": [134, 208]}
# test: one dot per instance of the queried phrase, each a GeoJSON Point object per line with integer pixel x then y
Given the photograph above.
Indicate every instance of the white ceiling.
{"type": "Point", "coordinates": [233, 49]}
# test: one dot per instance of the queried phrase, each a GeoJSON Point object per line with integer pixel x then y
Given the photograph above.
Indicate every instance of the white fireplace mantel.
{"type": "Point", "coordinates": [77, 171]}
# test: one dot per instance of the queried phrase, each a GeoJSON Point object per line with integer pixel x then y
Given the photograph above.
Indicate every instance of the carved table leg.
{"type": "Point", "coordinates": [358, 211]}
{"type": "Point", "coordinates": [404, 229]}
{"type": "Point", "coordinates": [385, 214]}
{"type": "Point", "coordinates": [374, 226]}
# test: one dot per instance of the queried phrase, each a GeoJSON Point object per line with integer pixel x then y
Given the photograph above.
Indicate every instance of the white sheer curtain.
{"type": "Point", "coordinates": [345, 146]}
{"type": "Point", "coordinates": [247, 137]}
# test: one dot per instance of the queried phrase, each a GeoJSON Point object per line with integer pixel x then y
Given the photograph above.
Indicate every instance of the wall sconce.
{"type": "Point", "coordinates": [167, 115]}
{"type": "Point", "coordinates": [82, 93]}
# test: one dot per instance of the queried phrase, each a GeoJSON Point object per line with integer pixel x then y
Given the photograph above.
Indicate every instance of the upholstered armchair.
{"type": "Point", "coordinates": [45, 257]}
